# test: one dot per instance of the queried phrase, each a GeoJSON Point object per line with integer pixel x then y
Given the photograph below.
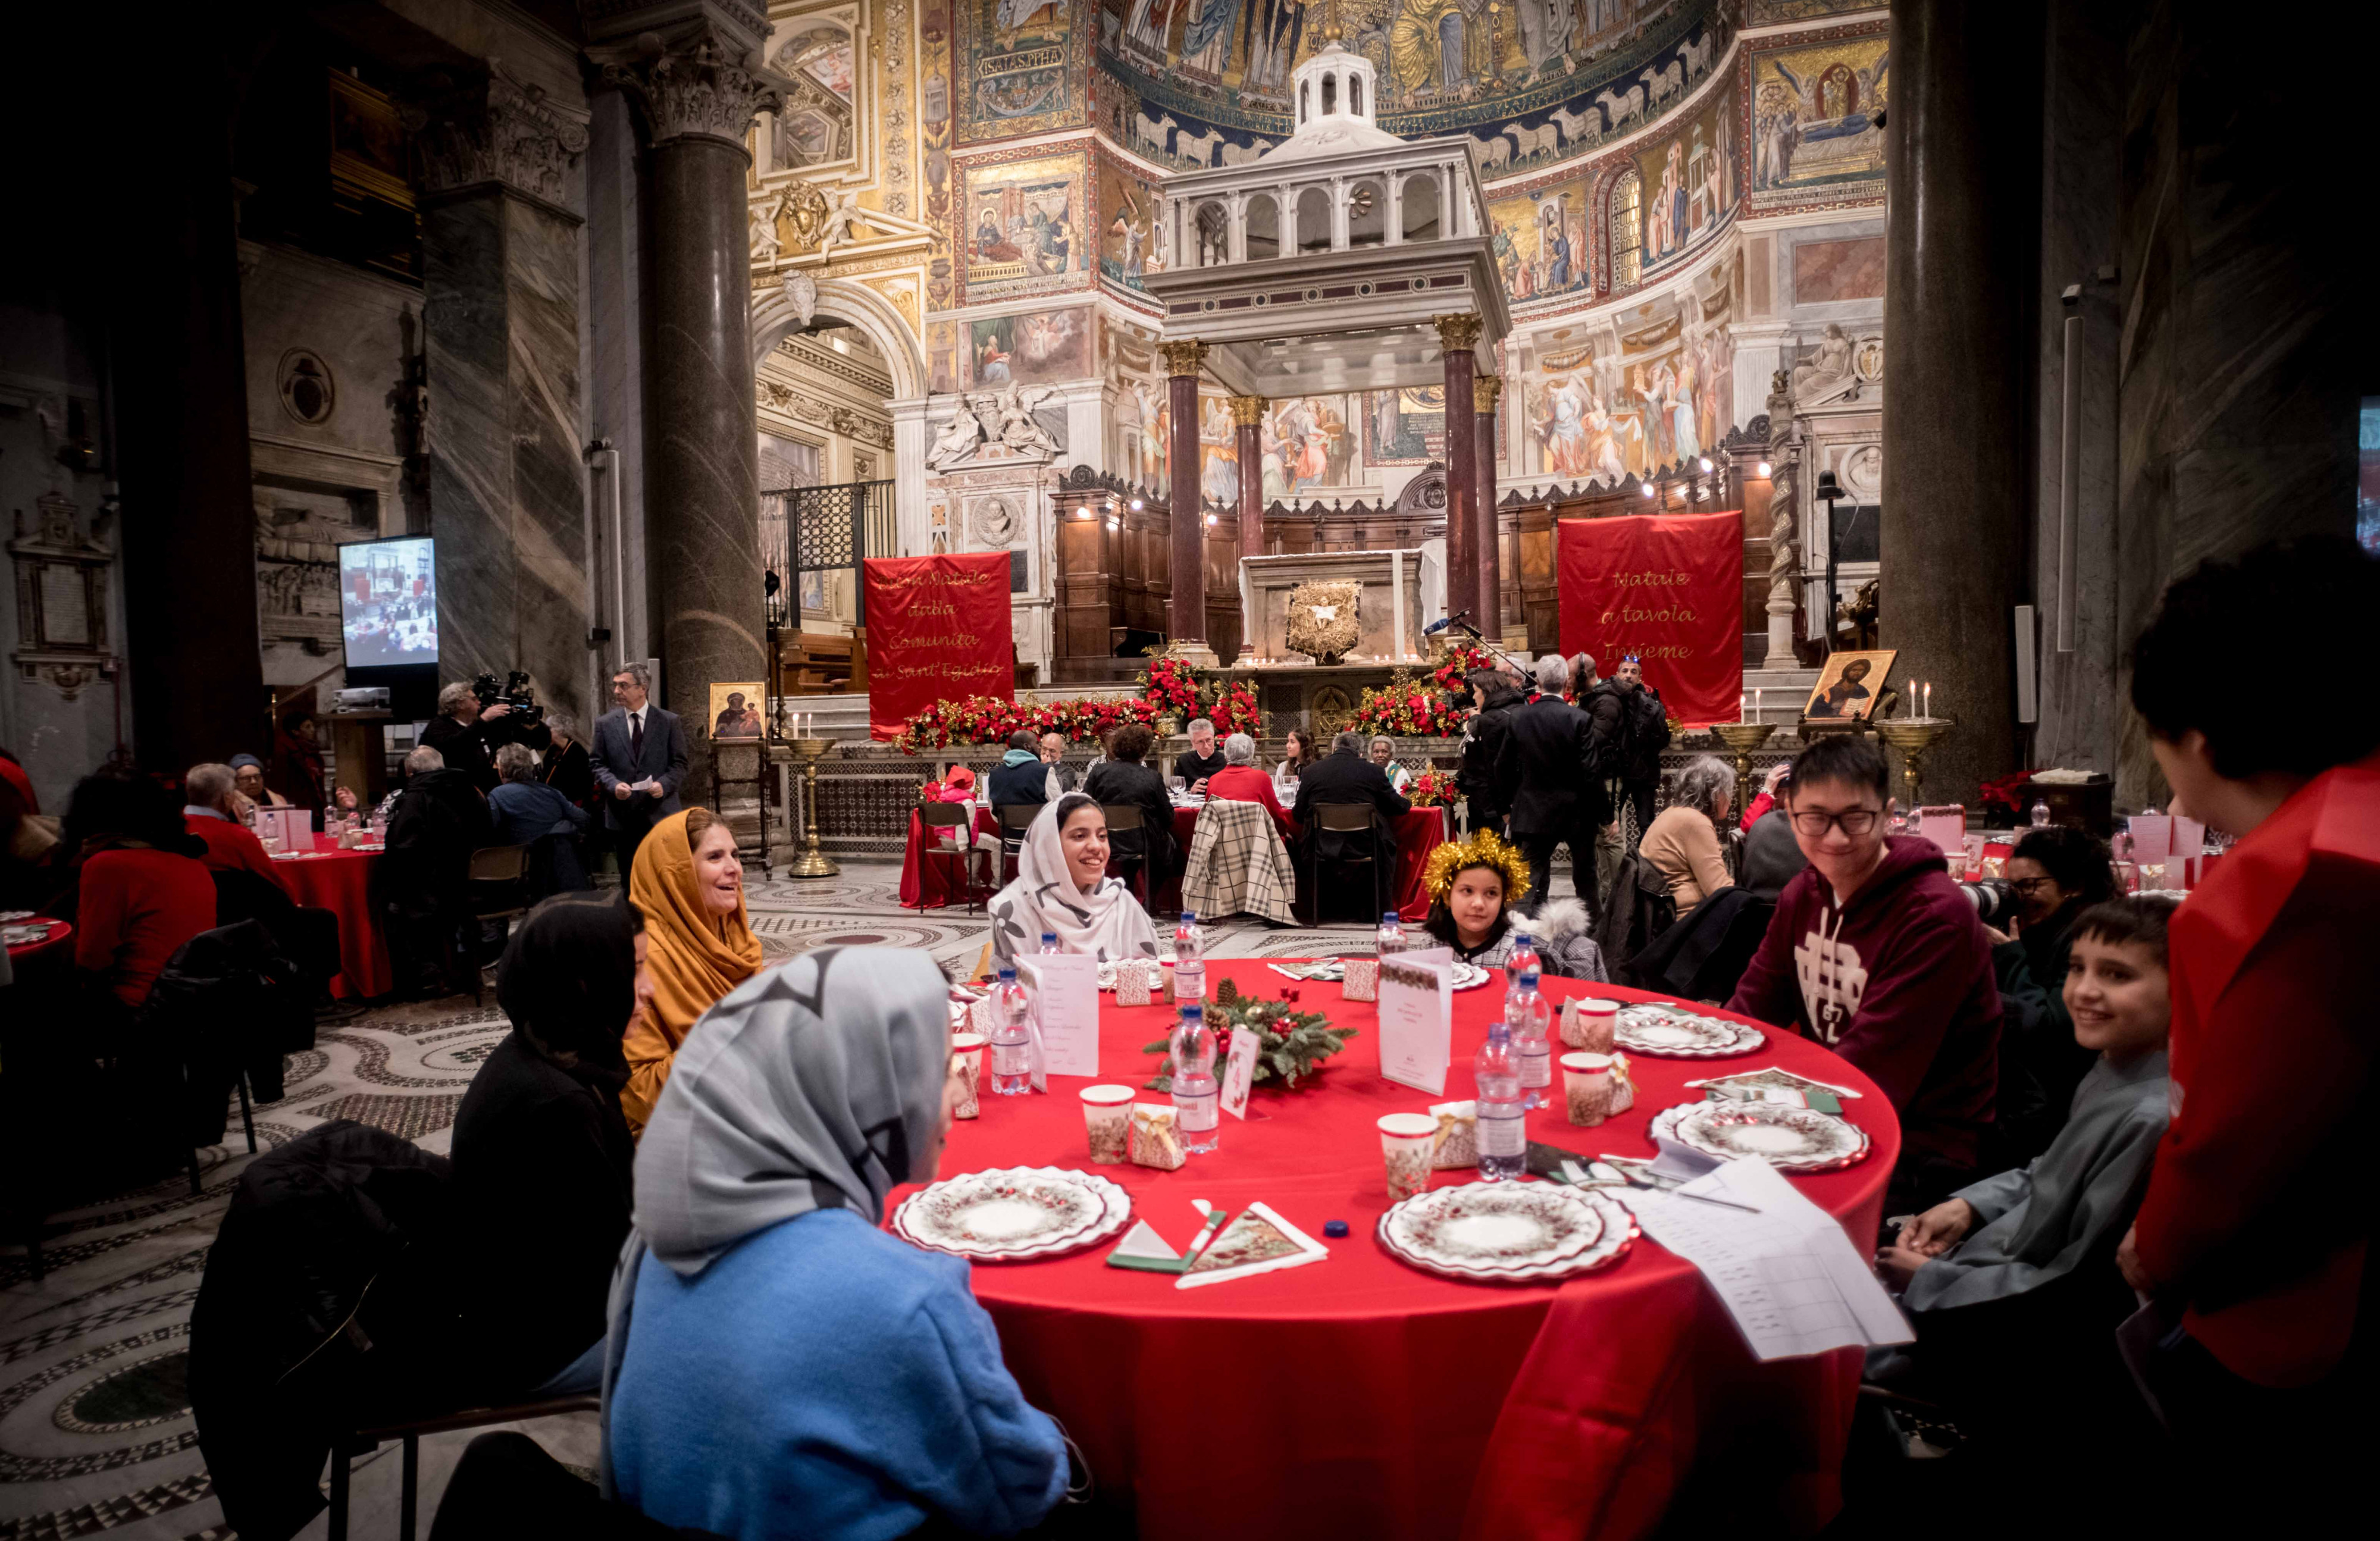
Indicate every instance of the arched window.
{"type": "Point", "coordinates": [1356, 95]}
{"type": "Point", "coordinates": [1421, 211]}
{"type": "Point", "coordinates": [1330, 94]}
{"type": "Point", "coordinates": [1627, 230]}
{"type": "Point", "coordinates": [1368, 214]}
{"type": "Point", "coordinates": [1263, 219]}
{"type": "Point", "coordinates": [1314, 220]}
{"type": "Point", "coordinates": [1304, 107]}
{"type": "Point", "coordinates": [1214, 236]}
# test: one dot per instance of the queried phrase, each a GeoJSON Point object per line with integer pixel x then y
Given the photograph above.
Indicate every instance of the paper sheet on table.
{"type": "Point", "coordinates": [1789, 1276]}
{"type": "Point", "coordinates": [1240, 1071]}
{"type": "Point", "coordinates": [1417, 1018]}
{"type": "Point", "coordinates": [1067, 1004]}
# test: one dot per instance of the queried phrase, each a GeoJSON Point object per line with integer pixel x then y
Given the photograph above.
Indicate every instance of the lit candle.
{"type": "Point", "coordinates": [1739, 706]}
{"type": "Point", "coordinates": [1912, 695]}
{"type": "Point", "coordinates": [1755, 705]}
{"type": "Point", "coordinates": [1929, 700]}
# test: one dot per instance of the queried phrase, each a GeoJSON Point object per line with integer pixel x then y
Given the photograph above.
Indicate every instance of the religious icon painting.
{"type": "Point", "coordinates": [735, 709]}
{"type": "Point", "coordinates": [1848, 685]}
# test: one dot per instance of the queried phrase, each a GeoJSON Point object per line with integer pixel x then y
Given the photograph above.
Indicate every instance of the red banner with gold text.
{"type": "Point", "coordinates": [937, 626]}
{"type": "Point", "coordinates": [1668, 590]}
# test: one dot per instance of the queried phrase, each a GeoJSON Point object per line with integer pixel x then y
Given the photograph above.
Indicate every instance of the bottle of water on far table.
{"type": "Point", "coordinates": [1522, 959]}
{"type": "Point", "coordinates": [1496, 1078]}
{"type": "Point", "coordinates": [1049, 941]}
{"type": "Point", "coordinates": [1528, 1016]}
{"type": "Point", "coordinates": [1196, 1093]}
{"type": "Point", "coordinates": [1392, 934]}
{"type": "Point", "coordinates": [1189, 966]}
{"type": "Point", "coordinates": [1012, 1065]}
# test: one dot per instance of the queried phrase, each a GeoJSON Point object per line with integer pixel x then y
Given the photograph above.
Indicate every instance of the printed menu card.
{"type": "Point", "coordinates": [1417, 1018]}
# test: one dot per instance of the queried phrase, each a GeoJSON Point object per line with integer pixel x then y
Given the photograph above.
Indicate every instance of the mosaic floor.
{"type": "Point", "coordinates": [96, 1431]}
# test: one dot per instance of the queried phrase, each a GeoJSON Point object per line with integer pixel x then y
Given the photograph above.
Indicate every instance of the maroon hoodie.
{"type": "Point", "coordinates": [1898, 982]}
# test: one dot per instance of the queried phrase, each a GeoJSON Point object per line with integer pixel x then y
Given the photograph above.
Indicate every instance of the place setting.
{"type": "Point", "coordinates": [1794, 1139]}
{"type": "Point", "coordinates": [1508, 1232]}
{"type": "Point", "coordinates": [1671, 1032]}
{"type": "Point", "coordinates": [1012, 1214]}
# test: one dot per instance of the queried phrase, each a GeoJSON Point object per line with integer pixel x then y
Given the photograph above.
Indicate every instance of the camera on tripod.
{"type": "Point", "coordinates": [514, 693]}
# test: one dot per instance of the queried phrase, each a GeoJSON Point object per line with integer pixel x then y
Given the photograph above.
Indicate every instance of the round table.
{"type": "Point", "coordinates": [328, 878]}
{"type": "Point", "coordinates": [1357, 1396]}
{"type": "Point", "coordinates": [60, 934]}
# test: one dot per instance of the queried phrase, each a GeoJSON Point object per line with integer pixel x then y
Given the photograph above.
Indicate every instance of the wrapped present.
{"type": "Point", "coordinates": [1623, 1088]}
{"type": "Point", "coordinates": [1134, 984]}
{"type": "Point", "coordinates": [1457, 1142]}
{"type": "Point", "coordinates": [982, 1018]}
{"type": "Point", "coordinates": [1154, 1140]}
{"type": "Point", "coordinates": [1361, 979]}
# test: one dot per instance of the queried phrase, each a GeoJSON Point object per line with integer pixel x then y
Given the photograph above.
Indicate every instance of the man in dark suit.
{"type": "Point", "coordinates": [1550, 781]}
{"type": "Point", "coordinates": [1345, 776]}
{"type": "Point", "coordinates": [1496, 695]}
{"type": "Point", "coordinates": [638, 759]}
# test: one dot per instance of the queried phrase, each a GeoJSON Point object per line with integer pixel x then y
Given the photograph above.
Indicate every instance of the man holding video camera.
{"type": "Point", "coordinates": [471, 726]}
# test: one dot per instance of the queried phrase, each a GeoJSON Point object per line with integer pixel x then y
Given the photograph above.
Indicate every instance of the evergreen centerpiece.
{"type": "Point", "coordinates": [1295, 1043]}
{"type": "Point", "coordinates": [1404, 707]}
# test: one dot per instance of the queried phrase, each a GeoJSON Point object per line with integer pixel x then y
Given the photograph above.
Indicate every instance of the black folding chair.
{"type": "Point", "coordinates": [1015, 820]}
{"type": "Point", "coordinates": [1123, 817]}
{"type": "Point", "coordinates": [959, 819]}
{"type": "Point", "coordinates": [365, 1439]}
{"type": "Point", "coordinates": [499, 890]}
{"type": "Point", "coordinates": [1343, 820]}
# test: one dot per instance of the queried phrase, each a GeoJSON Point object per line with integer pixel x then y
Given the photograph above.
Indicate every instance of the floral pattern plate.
{"type": "Point", "coordinates": [1466, 975]}
{"type": "Point", "coordinates": [1015, 1214]}
{"type": "Point", "coordinates": [1667, 1032]}
{"type": "Point", "coordinates": [1790, 1139]}
{"type": "Point", "coordinates": [1503, 1233]}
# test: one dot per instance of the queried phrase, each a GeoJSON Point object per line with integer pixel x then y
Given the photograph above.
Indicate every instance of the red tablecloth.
{"type": "Point", "coordinates": [330, 878]}
{"type": "Point", "coordinates": [1358, 1396]}
{"type": "Point", "coordinates": [60, 933]}
{"type": "Point", "coordinates": [930, 885]}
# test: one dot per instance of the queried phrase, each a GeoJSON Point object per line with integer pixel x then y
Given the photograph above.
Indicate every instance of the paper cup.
{"type": "Point", "coordinates": [1592, 1027]}
{"type": "Point", "coordinates": [1107, 1118]}
{"type": "Point", "coordinates": [966, 1074]}
{"type": "Point", "coordinates": [1587, 1087]}
{"type": "Point", "coordinates": [1362, 979]}
{"type": "Point", "coordinates": [1405, 1142]}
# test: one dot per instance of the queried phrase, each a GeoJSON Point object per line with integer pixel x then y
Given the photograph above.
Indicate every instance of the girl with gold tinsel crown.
{"type": "Point", "coordinates": [1476, 886]}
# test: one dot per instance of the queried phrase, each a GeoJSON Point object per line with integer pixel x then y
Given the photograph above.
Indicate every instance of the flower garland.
{"type": "Point", "coordinates": [1169, 689]}
{"type": "Point", "coordinates": [1407, 709]}
{"type": "Point", "coordinates": [1431, 789]}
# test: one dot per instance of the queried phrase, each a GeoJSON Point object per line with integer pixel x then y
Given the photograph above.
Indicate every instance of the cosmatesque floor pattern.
{"type": "Point", "coordinates": [96, 1437]}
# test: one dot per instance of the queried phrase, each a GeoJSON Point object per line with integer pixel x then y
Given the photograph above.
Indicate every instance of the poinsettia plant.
{"type": "Point", "coordinates": [1407, 709]}
{"type": "Point", "coordinates": [1295, 1043]}
{"type": "Point", "coordinates": [1431, 789]}
{"type": "Point", "coordinates": [1173, 685]}
{"type": "Point", "coordinates": [1234, 710]}
{"type": "Point", "coordinates": [1450, 676]}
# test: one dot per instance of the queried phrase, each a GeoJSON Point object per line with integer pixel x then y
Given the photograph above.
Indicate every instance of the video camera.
{"type": "Point", "coordinates": [516, 693]}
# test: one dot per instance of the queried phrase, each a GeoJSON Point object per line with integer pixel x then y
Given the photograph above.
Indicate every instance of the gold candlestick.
{"type": "Point", "coordinates": [813, 862]}
{"type": "Point", "coordinates": [1742, 738]}
{"type": "Point", "coordinates": [1912, 736]}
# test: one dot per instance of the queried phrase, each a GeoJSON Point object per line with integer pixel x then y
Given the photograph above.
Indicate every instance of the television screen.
{"type": "Point", "coordinates": [388, 603]}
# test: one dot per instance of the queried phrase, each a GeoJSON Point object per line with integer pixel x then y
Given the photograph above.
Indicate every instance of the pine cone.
{"type": "Point", "coordinates": [1227, 993]}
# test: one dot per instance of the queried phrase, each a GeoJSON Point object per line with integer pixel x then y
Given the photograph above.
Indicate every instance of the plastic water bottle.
{"type": "Point", "coordinates": [1496, 1078]}
{"type": "Point", "coordinates": [1189, 968]}
{"type": "Point", "coordinates": [1011, 1063]}
{"type": "Point", "coordinates": [1393, 933]}
{"type": "Point", "coordinates": [1196, 1093]}
{"type": "Point", "coordinates": [1528, 1016]}
{"type": "Point", "coordinates": [1522, 959]}
{"type": "Point", "coordinates": [1049, 942]}
{"type": "Point", "coordinates": [2040, 813]}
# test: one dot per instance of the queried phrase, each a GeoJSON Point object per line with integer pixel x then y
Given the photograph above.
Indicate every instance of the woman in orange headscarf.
{"type": "Point", "coordinates": [689, 886]}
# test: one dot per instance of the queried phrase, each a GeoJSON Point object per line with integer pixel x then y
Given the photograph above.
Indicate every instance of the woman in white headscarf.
{"type": "Point", "coordinates": [776, 1365]}
{"type": "Point", "coordinates": [1063, 889]}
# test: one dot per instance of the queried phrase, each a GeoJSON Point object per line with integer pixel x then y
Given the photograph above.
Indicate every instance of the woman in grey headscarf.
{"type": "Point", "coordinates": [778, 1366]}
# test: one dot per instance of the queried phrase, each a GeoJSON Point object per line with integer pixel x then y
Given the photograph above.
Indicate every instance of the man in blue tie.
{"type": "Point", "coordinates": [638, 758]}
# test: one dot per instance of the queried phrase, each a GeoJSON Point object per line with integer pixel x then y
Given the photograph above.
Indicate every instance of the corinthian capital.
{"type": "Point", "coordinates": [697, 85]}
{"type": "Point", "coordinates": [1183, 357]}
{"type": "Point", "coordinates": [499, 130]}
{"type": "Point", "coordinates": [1457, 333]}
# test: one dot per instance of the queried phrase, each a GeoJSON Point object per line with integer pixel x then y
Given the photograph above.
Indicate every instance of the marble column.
{"type": "Point", "coordinates": [501, 302]}
{"type": "Point", "coordinates": [1247, 434]}
{"type": "Point", "coordinates": [702, 451]}
{"type": "Point", "coordinates": [1186, 614]}
{"type": "Point", "coordinates": [1959, 276]}
{"type": "Point", "coordinates": [910, 437]}
{"type": "Point", "coordinates": [1487, 613]}
{"type": "Point", "coordinates": [1457, 335]}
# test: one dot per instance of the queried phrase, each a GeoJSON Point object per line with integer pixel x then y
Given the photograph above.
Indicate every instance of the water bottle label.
{"type": "Point", "coordinates": [1502, 1134]}
{"type": "Point", "coordinates": [1194, 1112]}
{"type": "Point", "coordinates": [1536, 1066]}
{"type": "Point", "coordinates": [1010, 1059]}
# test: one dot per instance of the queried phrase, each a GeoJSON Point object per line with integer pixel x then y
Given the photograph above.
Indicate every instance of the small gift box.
{"type": "Point", "coordinates": [1457, 1143]}
{"type": "Point", "coordinates": [1623, 1089]}
{"type": "Point", "coordinates": [1134, 984]}
{"type": "Point", "coordinates": [1361, 980]}
{"type": "Point", "coordinates": [981, 1018]}
{"type": "Point", "coordinates": [1154, 1140]}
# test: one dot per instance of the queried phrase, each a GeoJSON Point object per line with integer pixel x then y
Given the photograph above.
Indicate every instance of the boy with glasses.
{"type": "Point", "coordinates": [1875, 953]}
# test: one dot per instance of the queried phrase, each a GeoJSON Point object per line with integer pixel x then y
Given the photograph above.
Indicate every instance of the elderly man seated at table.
{"type": "Point", "coordinates": [248, 780]}
{"type": "Point", "coordinates": [1060, 778]}
{"type": "Point", "coordinates": [436, 823]}
{"type": "Point", "coordinates": [1344, 777]}
{"type": "Point", "coordinates": [524, 811]}
{"type": "Point", "coordinates": [1240, 782]}
{"type": "Point", "coordinates": [210, 812]}
{"type": "Point", "coordinates": [1062, 889]}
{"type": "Point", "coordinates": [1203, 761]}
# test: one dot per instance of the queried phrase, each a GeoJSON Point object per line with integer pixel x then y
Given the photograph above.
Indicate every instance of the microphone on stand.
{"type": "Point", "coordinates": [1439, 626]}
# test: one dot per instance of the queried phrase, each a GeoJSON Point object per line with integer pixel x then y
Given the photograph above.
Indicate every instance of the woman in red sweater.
{"type": "Point", "coordinates": [143, 890]}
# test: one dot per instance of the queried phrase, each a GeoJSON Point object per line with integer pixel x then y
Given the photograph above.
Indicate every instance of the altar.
{"type": "Point", "coordinates": [1395, 593]}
